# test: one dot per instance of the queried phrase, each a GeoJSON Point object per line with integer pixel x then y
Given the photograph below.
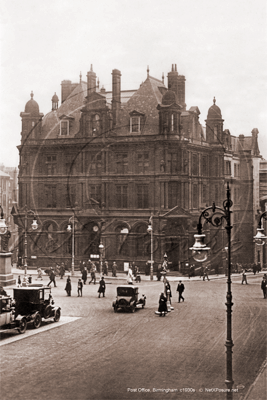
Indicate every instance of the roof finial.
{"type": "Point", "coordinates": [31, 94]}
{"type": "Point", "coordinates": [91, 69]}
{"type": "Point", "coordinates": [80, 76]}
{"type": "Point", "coordinates": [214, 100]}
{"type": "Point", "coordinates": [147, 71]}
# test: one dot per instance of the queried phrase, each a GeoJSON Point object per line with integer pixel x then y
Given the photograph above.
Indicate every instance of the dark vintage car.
{"type": "Point", "coordinates": [127, 298]}
{"type": "Point", "coordinates": [30, 305]}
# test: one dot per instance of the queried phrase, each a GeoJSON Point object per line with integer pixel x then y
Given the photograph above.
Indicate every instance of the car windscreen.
{"type": "Point", "coordinates": [125, 291]}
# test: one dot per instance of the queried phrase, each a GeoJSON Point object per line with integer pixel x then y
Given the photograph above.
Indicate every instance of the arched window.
{"type": "Point", "coordinates": [96, 125]}
{"type": "Point", "coordinates": [122, 240]}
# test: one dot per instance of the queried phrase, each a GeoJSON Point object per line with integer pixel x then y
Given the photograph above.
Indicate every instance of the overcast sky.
{"type": "Point", "coordinates": [220, 47]}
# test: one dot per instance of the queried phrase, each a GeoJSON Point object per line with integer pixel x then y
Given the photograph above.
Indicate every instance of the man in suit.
{"type": "Point", "coordinates": [264, 287]}
{"type": "Point", "coordinates": [180, 290]}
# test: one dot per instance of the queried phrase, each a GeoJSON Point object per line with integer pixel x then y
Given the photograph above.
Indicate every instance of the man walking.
{"type": "Point", "coordinates": [264, 286]}
{"type": "Point", "coordinates": [52, 278]}
{"type": "Point", "coordinates": [244, 277]}
{"type": "Point", "coordinates": [102, 287]}
{"type": "Point", "coordinates": [180, 290]}
{"type": "Point", "coordinates": [80, 287]}
{"type": "Point", "coordinates": [84, 275]}
{"type": "Point", "coordinates": [205, 275]}
{"type": "Point", "coordinates": [93, 271]}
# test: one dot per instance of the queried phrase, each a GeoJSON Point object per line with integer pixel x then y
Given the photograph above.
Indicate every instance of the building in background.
{"type": "Point", "coordinates": [110, 160]}
{"type": "Point", "coordinates": [9, 198]}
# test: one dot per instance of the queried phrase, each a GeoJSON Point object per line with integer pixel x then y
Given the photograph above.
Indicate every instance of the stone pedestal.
{"type": "Point", "coordinates": [6, 276]}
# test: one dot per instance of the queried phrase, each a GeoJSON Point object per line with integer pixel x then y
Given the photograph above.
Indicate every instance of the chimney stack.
{"type": "Point", "coordinates": [116, 95]}
{"type": "Point", "coordinates": [91, 81]}
{"type": "Point", "coordinates": [177, 84]}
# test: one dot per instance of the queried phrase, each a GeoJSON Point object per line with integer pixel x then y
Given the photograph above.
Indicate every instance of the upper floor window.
{"type": "Point", "coordinates": [135, 124]}
{"type": "Point", "coordinates": [195, 164]}
{"type": "Point", "coordinates": [50, 196]}
{"type": "Point", "coordinates": [142, 196]}
{"type": "Point", "coordinates": [204, 165]}
{"type": "Point", "coordinates": [142, 163]}
{"type": "Point", "coordinates": [96, 164]}
{"type": "Point", "coordinates": [95, 194]}
{"type": "Point", "coordinates": [236, 170]}
{"type": "Point", "coordinates": [96, 127]}
{"type": "Point", "coordinates": [64, 128]}
{"type": "Point", "coordinates": [51, 164]}
{"type": "Point", "coordinates": [172, 163]}
{"type": "Point", "coordinates": [122, 163]}
{"type": "Point", "coordinates": [121, 196]}
{"type": "Point", "coordinates": [227, 167]}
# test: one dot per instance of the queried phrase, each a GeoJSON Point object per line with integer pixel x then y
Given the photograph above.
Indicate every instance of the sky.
{"type": "Point", "coordinates": [220, 47]}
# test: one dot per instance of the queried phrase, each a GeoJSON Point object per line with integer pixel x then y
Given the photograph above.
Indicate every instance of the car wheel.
{"type": "Point", "coordinates": [22, 325]}
{"type": "Point", "coordinates": [37, 321]}
{"type": "Point", "coordinates": [57, 315]}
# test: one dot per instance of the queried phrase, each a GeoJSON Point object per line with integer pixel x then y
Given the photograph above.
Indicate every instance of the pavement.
{"type": "Point", "coordinates": [257, 390]}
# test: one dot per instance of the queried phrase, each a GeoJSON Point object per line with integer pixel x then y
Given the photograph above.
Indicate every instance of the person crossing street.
{"type": "Point", "coordinates": [180, 290]}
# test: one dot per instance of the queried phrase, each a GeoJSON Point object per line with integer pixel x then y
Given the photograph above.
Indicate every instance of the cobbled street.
{"type": "Point", "coordinates": [119, 356]}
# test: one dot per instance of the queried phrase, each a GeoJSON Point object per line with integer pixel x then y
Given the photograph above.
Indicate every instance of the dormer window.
{"type": "Point", "coordinates": [135, 124]}
{"type": "Point", "coordinates": [96, 125]}
{"type": "Point", "coordinates": [136, 121]}
{"type": "Point", "coordinates": [64, 128]}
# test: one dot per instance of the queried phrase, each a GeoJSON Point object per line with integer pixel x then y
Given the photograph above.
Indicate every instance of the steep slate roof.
{"type": "Point", "coordinates": [144, 100]}
{"type": "Point", "coordinates": [71, 107]}
{"type": "Point", "coordinates": [3, 174]}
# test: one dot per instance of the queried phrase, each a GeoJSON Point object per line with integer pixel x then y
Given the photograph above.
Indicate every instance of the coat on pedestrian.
{"type": "Point", "coordinates": [264, 287]}
{"type": "Point", "coordinates": [102, 287]}
{"type": "Point", "coordinates": [68, 286]}
{"type": "Point", "coordinates": [84, 275]}
{"type": "Point", "coordinates": [167, 287]}
{"type": "Point", "coordinates": [162, 303]}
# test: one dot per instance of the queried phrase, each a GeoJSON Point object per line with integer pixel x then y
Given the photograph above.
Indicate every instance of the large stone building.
{"type": "Point", "coordinates": [113, 159]}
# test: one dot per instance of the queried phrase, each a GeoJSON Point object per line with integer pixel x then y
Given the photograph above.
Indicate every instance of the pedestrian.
{"type": "Point", "coordinates": [159, 272]}
{"type": "Point", "coordinates": [30, 279]}
{"type": "Point", "coordinates": [147, 268]}
{"type": "Point", "coordinates": [114, 269]}
{"type": "Point", "coordinates": [93, 271]}
{"type": "Point", "coordinates": [180, 290]}
{"type": "Point", "coordinates": [62, 270]}
{"type": "Point", "coordinates": [105, 268]}
{"type": "Point", "coordinates": [81, 266]}
{"type": "Point", "coordinates": [19, 281]}
{"type": "Point", "coordinates": [102, 287]}
{"type": "Point", "coordinates": [52, 278]}
{"type": "Point", "coordinates": [205, 274]}
{"type": "Point", "coordinates": [264, 286]}
{"type": "Point", "coordinates": [130, 276]}
{"type": "Point", "coordinates": [244, 277]}
{"type": "Point", "coordinates": [84, 275]}
{"type": "Point", "coordinates": [254, 268]}
{"type": "Point", "coordinates": [168, 290]}
{"type": "Point", "coordinates": [68, 286]}
{"type": "Point", "coordinates": [40, 274]}
{"type": "Point", "coordinates": [162, 305]}
{"type": "Point", "coordinates": [80, 287]}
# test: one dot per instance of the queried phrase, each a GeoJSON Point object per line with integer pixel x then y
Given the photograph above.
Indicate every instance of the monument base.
{"type": "Point", "coordinates": [6, 276]}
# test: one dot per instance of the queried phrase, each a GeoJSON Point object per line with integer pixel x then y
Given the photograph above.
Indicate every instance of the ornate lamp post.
{"type": "Point", "coordinates": [34, 226]}
{"type": "Point", "coordinates": [101, 250]}
{"type": "Point", "coordinates": [71, 229]}
{"type": "Point", "coordinates": [150, 230]}
{"type": "Point", "coordinates": [215, 216]}
{"type": "Point", "coordinates": [260, 236]}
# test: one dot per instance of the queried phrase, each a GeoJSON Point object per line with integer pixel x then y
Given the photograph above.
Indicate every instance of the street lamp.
{"type": "Point", "coordinates": [71, 229]}
{"type": "Point", "coordinates": [101, 250]}
{"type": "Point", "coordinates": [215, 216]}
{"type": "Point", "coordinates": [260, 236]}
{"type": "Point", "coordinates": [34, 226]}
{"type": "Point", "coordinates": [3, 226]}
{"type": "Point", "coordinates": [150, 230]}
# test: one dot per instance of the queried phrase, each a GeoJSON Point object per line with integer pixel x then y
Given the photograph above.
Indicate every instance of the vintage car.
{"type": "Point", "coordinates": [127, 298]}
{"type": "Point", "coordinates": [29, 306]}
{"type": "Point", "coordinates": [34, 302]}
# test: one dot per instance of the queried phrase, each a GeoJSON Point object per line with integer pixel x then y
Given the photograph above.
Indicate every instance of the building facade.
{"type": "Point", "coordinates": [110, 160]}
